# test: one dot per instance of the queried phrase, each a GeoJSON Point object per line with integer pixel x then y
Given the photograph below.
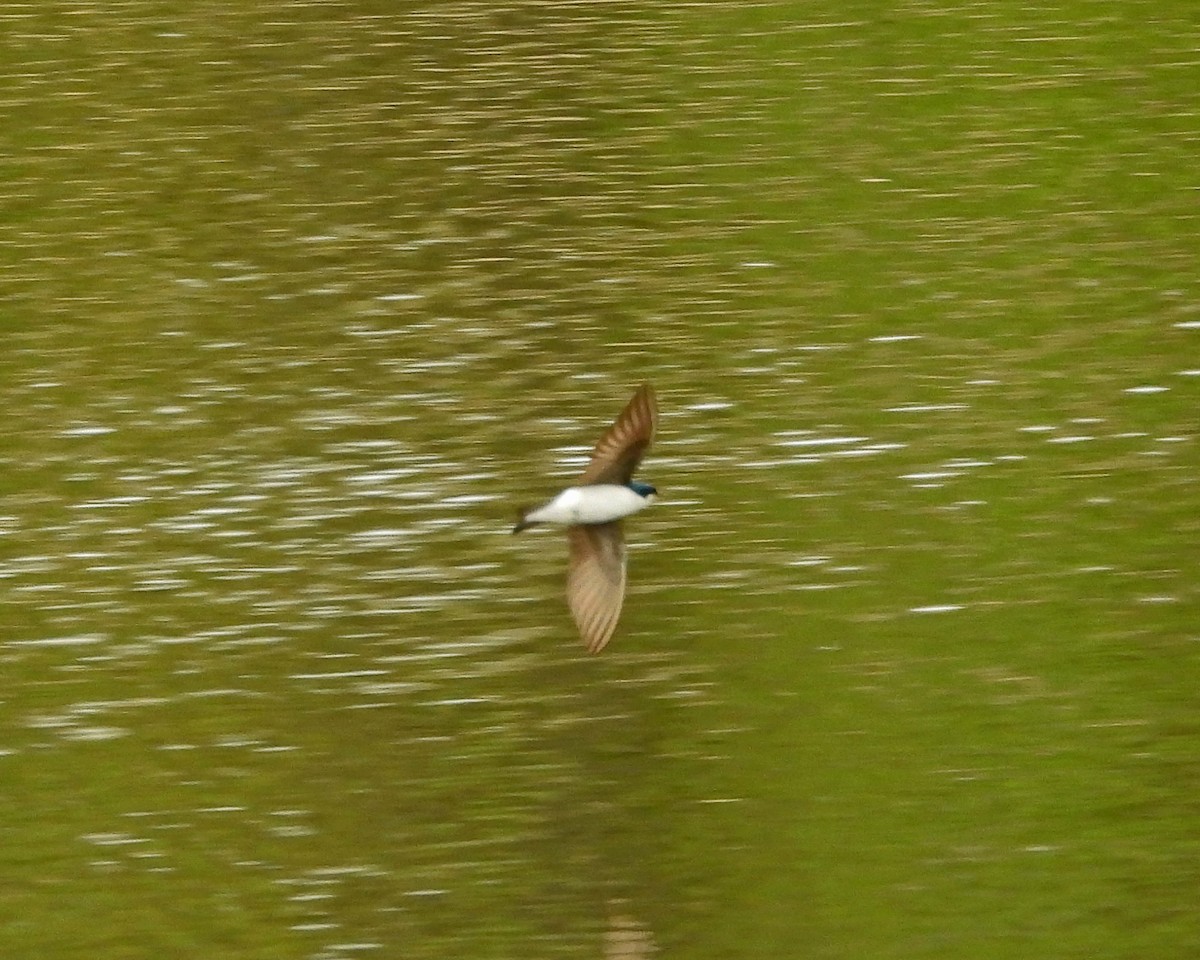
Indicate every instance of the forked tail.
{"type": "Point", "coordinates": [522, 523]}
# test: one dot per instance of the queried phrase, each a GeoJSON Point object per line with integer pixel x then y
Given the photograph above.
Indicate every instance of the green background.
{"type": "Point", "coordinates": [299, 299]}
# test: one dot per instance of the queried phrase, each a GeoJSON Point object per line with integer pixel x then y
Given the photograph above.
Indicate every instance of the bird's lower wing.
{"type": "Point", "coordinates": [596, 580]}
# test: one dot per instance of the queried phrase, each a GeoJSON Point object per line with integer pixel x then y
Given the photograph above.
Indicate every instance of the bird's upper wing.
{"type": "Point", "coordinates": [596, 580]}
{"type": "Point", "coordinates": [620, 449]}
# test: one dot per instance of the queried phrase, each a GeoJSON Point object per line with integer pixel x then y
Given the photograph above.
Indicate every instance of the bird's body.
{"type": "Point", "coordinates": [592, 509]}
{"type": "Point", "coordinates": [591, 503]}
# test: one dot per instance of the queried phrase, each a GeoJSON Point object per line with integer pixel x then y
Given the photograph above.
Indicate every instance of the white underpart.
{"type": "Point", "coordinates": [594, 503]}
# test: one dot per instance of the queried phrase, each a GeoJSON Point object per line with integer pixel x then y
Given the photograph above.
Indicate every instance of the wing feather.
{"type": "Point", "coordinates": [619, 451]}
{"type": "Point", "coordinates": [596, 580]}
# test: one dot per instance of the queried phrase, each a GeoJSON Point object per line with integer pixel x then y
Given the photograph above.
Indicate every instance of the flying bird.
{"type": "Point", "coordinates": [592, 509]}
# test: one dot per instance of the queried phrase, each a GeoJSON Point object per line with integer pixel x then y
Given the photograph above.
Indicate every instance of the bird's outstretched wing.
{"type": "Point", "coordinates": [620, 449]}
{"type": "Point", "coordinates": [596, 580]}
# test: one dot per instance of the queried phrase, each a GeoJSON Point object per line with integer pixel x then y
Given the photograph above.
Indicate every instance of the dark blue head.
{"type": "Point", "coordinates": [642, 489]}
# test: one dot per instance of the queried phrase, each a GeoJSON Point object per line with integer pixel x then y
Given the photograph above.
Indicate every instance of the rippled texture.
{"type": "Point", "coordinates": [300, 299]}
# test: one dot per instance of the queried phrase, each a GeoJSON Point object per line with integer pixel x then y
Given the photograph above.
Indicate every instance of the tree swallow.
{"type": "Point", "coordinates": [592, 511]}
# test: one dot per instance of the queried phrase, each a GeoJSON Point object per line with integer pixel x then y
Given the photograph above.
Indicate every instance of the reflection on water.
{"type": "Point", "coordinates": [625, 938]}
{"type": "Point", "coordinates": [298, 307]}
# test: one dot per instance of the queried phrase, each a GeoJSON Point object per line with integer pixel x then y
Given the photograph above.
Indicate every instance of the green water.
{"type": "Point", "coordinates": [299, 300]}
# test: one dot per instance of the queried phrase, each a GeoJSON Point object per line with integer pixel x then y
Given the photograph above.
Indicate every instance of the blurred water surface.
{"type": "Point", "coordinates": [300, 299]}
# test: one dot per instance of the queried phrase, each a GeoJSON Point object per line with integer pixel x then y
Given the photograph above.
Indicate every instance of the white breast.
{"type": "Point", "coordinates": [595, 503]}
